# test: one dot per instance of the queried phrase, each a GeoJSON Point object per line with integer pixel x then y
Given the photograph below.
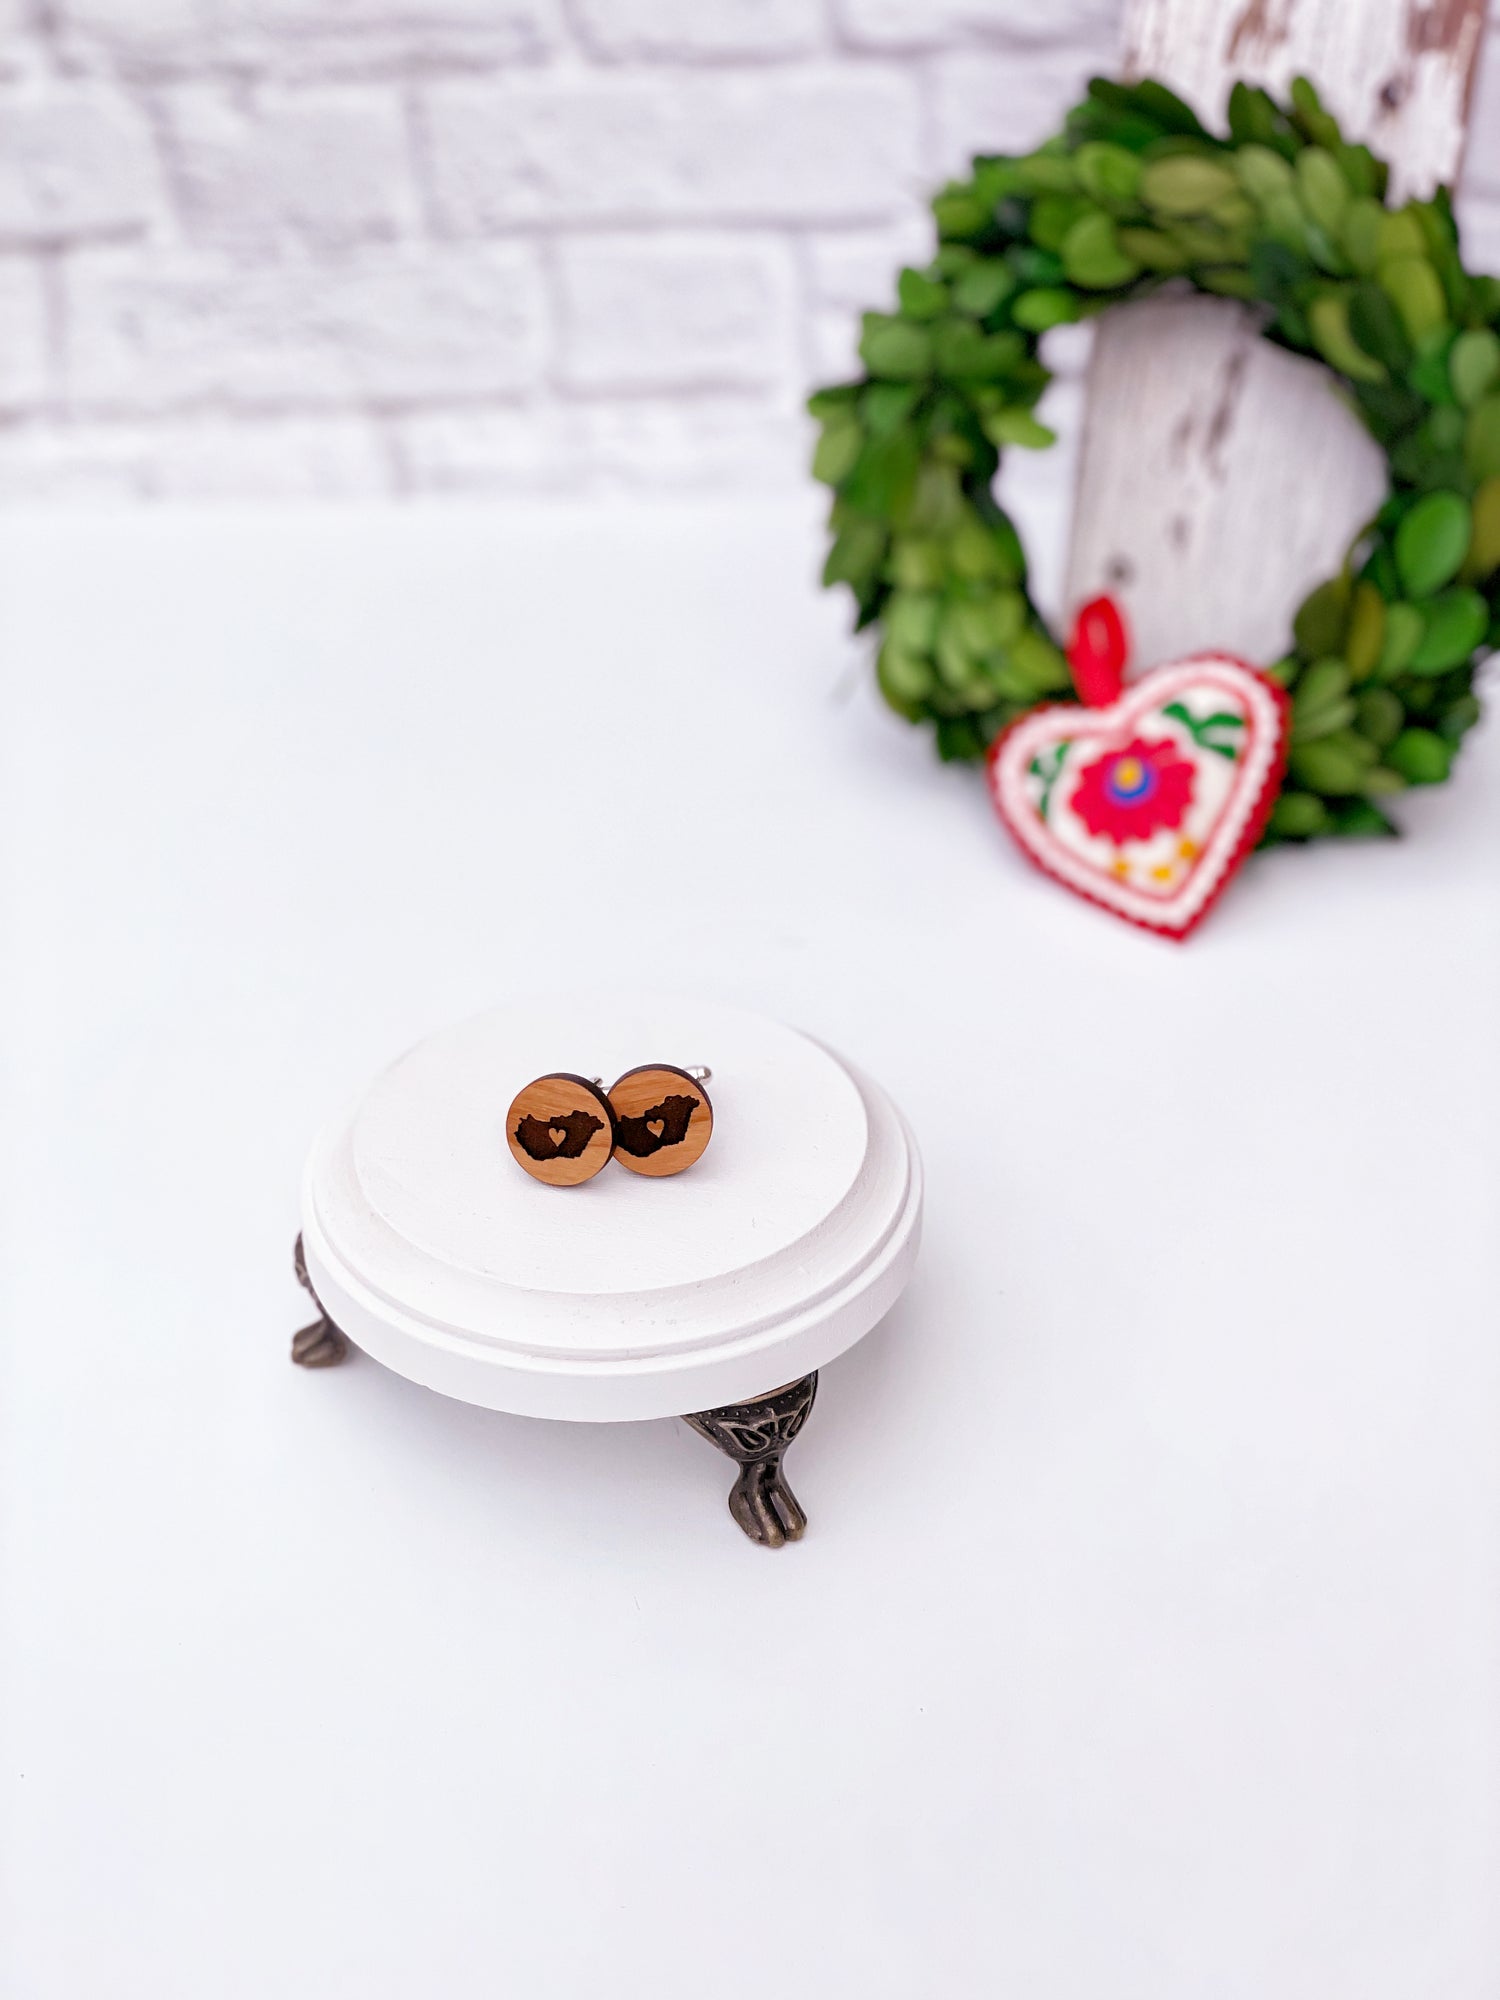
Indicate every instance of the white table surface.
{"type": "Point", "coordinates": [1146, 1641]}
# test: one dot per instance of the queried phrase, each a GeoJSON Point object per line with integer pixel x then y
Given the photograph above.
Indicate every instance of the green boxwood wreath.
{"type": "Point", "coordinates": [1284, 214]}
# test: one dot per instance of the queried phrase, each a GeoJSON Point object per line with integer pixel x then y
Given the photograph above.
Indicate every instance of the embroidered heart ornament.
{"type": "Point", "coordinates": [1148, 803]}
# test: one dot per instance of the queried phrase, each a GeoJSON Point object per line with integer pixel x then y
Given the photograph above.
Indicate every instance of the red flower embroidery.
{"type": "Point", "coordinates": [1132, 793]}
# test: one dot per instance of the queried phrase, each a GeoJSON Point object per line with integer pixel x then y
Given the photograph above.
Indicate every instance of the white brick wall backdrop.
{"type": "Point", "coordinates": [414, 247]}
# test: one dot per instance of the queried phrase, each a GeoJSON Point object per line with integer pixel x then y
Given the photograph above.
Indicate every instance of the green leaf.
{"type": "Point", "coordinates": [826, 403]}
{"type": "Point", "coordinates": [959, 740]}
{"type": "Point", "coordinates": [1474, 363]}
{"type": "Point", "coordinates": [1358, 818]}
{"type": "Point", "coordinates": [1367, 176]}
{"type": "Point", "coordinates": [1320, 620]}
{"type": "Point", "coordinates": [1298, 816]}
{"type": "Point", "coordinates": [1185, 184]}
{"type": "Point", "coordinates": [1016, 426]}
{"type": "Point", "coordinates": [1328, 317]}
{"type": "Point", "coordinates": [1033, 266]}
{"type": "Point", "coordinates": [1045, 307]}
{"type": "Point", "coordinates": [1322, 188]}
{"type": "Point", "coordinates": [1428, 374]}
{"type": "Point", "coordinates": [1040, 664]}
{"type": "Point", "coordinates": [1401, 235]}
{"type": "Point", "coordinates": [1092, 256]}
{"type": "Point", "coordinates": [1431, 542]}
{"type": "Point", "coordinates": [1415, 292]}
{"type": "Point", "coordinates": [856, 554]}
{"type": "Point", "coordinates": [885, 477]}
{"type": "Point", "coordinates": [1286, 225]}
{"type": "Point", "coordinates": [1483, 556]}
{"type": "Point", "coordinates": [982, 287]}
{"type": "Point", "coordinates": [1366, 634]}
{"type": "Point", "coordinates": [1482, 439]}
{"type": "Point", "coordinates": [1309, 115]}
{"type": "Point", "coordinates": [1457, 621]}
{"type": "Point", "coordinates": [895, 349]}
{"type": "Point", "coordinates": [1046, 173]}
{"type": "Point", "coordinates": [920, 297]}
{"type": "Point", "coordinates": [1404, 626]}
{"type": "Point", "coordinates": [1359, 235]}
{"type": "Point", "coordinates": [959, 214]}
{"type": "Point", "coordinates": [1421, 757]}
{"type": "Point", "coordinates": [836, 452]}
{"type": "Point", "coordinates": [982, 554]}
{"type": "Point", "coordinates": [994, 622]}
{"type": "Point", "coordinates": [904, 678]}
{"type": "Point", "coordinates": [1312, 723]}
{"type": "Point", "coordinates": [1380, 778]}
{"type": "Point", "coordinates": [886, 405]}
{"type": "Point", "coordinates": [936, 505]}
{"type": "Point", "coordinates": [1321, 703]}
{"type": "Point", "coordinates": [1329, 766]}
{"type": "Point", "coordinates": [964, 353]}
{"type": "Point", "coordinates": [911, 619]}
{"type": "Point", "coordinates": [1378, 715]}
{"type": "Point", "coordinates": [1324, 681]}
{"type": "Point", "coordinates": [1153, 249]}
{"type": "Point", "coordinates": [1165, 108]}
{"type": "Point", "coordinates": [1376, 325]}
{"type": "Point", "coordinates": [1108, 173]}
{"type": "Point", "coordinates": [958, 664]}
{"type": "Point", "coordinates": [1230, 281]}
{"type": "Point", "coordinates": [917, 564]}
{"type": "Point", "coordinates": [1263, 174]}
{"type": "Point", "coordinates": [1254, 118]}
{"type": "Point", "coordinates": [1053, 215]}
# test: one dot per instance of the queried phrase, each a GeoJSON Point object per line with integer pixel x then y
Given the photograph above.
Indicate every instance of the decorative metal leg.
{"type": "Point", "coordinates": [756, 1434]}
{"type": "Point", "coordinates": [320, 1345]}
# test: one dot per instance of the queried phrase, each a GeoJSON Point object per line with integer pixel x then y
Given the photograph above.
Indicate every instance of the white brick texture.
{"type": "Point", "coordinates": [824, 146]}
{"type": "Point", "coordinates": [671, 31]}
{"type": "Point", "coordinates": [932, 23]}
{"type": "Point", "coordinates": [673, 313]}
{"type": "Point", "coordinates": [24, 358]}
{"type": "Point", "coordinates": [425, 248]}
{"type": "Point", "coordinates": [301, 37]}
{"type": "Point", "coordinates": [75, 162]}
{"type": "Point", "coordinates": [399, 327]}
{"type": "Point", "coordinates": [322, 166]}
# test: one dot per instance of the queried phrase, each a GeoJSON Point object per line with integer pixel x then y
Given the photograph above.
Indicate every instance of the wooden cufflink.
{"type": "Point", "coordinates": [656, 1120]}
{"type": "Point", "coordinates": [560, 1129]}
{"type": "Point", "coordinates": [663, 1119]}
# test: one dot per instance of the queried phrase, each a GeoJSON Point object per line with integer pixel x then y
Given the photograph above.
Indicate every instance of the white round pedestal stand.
{"type": "Point", "coordinates": [716, 1293]}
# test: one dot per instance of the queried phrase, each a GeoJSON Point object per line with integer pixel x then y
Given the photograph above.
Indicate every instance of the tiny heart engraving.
{"type": "Point", "coordinates": [656, 1126]}
{"type": "Point", "coordinates": [557, 1134]}
{"type": "Point", "coordinates": [1147, 804]}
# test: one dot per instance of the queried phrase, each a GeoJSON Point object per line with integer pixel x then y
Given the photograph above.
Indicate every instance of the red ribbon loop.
{"type": "Point", "coordinates": [1097, 652]}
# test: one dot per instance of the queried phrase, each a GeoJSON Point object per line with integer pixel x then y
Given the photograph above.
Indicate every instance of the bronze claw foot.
{"type": "Point", "coordinates": [320, 1345]}
{"type": "Point", "coordinates": [756, 1435]}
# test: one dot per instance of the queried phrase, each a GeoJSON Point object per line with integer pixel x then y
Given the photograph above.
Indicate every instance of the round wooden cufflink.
{"type": "Point", "coordinates": [560, 1129]}
{"type": "Point", "coordinates": [663, 1119]}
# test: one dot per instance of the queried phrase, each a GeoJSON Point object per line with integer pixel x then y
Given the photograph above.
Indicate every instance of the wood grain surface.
{"type": "Point", "coordinates": [663, 1119]}
{"type": "Point", "coordinates": [560, 1129]}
